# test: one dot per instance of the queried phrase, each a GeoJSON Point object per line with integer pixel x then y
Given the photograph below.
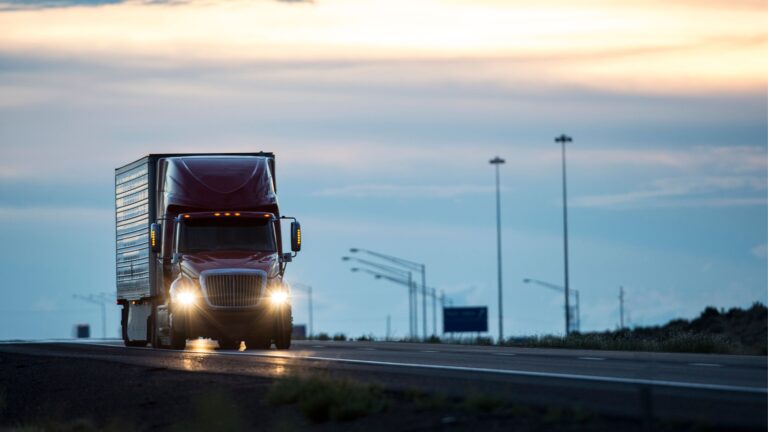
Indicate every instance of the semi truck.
{"type": "Point", "coordinates": [199, 251]}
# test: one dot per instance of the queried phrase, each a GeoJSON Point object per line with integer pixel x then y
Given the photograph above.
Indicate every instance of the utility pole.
{"type": "Point", "coordinates": [434, 312]}
{"type": "Point", "coordinates": [497, 161]}
{"type": "Point", "coordinates": [424, 300]}
{"type": "Point", "coordinates": [562, 139]}
{"type": "Point", "coordinates": [621, 308]}
{"type": "Point", "coordinates": [414, 307]}
{"type": "Point", "coordinates": [389, 322]}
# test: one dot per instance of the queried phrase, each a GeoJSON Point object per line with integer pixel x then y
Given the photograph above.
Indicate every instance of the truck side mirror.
{"type": "Point", "coordinates": [155, 237]}
{"type": "Point", "coordinates": [295, 236]}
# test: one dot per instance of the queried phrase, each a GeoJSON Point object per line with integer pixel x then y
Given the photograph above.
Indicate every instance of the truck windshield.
{"type": "Point", "coordinates": [245, 234]}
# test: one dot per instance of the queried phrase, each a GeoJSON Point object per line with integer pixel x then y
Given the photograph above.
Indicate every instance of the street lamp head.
{"type": "Point", "coordinates": [563, 138]}
{"type": "Point", "coordinates": [354, 269]}
{"type": "Point", "coordinates": [377, 277]}
{"type": "Point", "coordinates": [353, 250]}
{"type": "Point", "coordinates": [497, 161]}
{"type": "Point", "coordinates": [526, 280]}
{"type": "Point", "coordinates": [345, 258]}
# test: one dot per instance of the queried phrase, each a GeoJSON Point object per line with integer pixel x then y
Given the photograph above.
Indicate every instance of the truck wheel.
{"type": "Point", "coordinates": [178, 333]}
{"type": "Point", "coordinates": [283, 329]}
{"type": "Point", "coordinates": [228, 343]}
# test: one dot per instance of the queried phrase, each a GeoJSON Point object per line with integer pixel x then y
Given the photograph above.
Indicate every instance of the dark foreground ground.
{"type": "Point", "coordinates": [52, 393]}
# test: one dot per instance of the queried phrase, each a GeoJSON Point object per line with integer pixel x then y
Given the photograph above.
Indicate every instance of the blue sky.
{"type": "Point", "coordinates": [383, 140]}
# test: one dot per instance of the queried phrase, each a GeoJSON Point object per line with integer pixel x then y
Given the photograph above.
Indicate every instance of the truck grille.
{"type": "Point", "coordinates": [232, 290]}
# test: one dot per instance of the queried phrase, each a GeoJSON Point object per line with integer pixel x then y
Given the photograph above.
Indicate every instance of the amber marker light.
{"type": "Point", "coordinates": [217, 214]}
{"type": "Point", "coordinates": [237, 214]}
{"type": "Point", "coordinates": [227, 214]}
{"type": "Point", "coordinates": [186, 216]}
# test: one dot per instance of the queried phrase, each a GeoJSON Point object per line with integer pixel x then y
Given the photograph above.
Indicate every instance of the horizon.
{"type": "Point", "coordinates": [383, 117]}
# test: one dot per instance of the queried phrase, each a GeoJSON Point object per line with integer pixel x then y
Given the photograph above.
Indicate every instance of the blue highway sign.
{"type": "Point", "coordinates": [465, 319]}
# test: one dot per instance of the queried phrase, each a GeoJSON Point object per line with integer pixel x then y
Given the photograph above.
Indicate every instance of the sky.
{"type": "Point", "coordinates": [383, 116]}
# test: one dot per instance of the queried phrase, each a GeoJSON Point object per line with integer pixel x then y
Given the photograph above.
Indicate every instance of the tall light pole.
{"type": "Point", "coordinates": [410, 265]}
{"type": "Point", "coordinates": [308, 289]}
{"type": "Point", "coordinates": [398, 279]}
{"type": "Point", "coordinates": [409, 282]}
{"type": "Point", "coordinates": [621, 308]}
{"type": "Point", "coordinates": [576, 322]}
{"type": "Point", "coordinates": [412, 306]}
{"type": "Point", "coordinates": [562, 139]}
{"type": "Point", "coordinates": [497, 161]}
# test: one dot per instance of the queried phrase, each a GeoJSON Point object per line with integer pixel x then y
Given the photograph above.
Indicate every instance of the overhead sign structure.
{"type": "Point", "coordinates": [465, 319]}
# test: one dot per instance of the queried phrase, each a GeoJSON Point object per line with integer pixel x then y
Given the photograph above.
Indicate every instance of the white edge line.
{"type": "Point", "coordinates": [596, 378]}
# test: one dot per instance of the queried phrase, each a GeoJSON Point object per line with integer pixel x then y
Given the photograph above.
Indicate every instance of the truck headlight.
{"type": "Point", "coordinates": [278, 298]}
{"type": "Point", "coordinates": [186, 298]}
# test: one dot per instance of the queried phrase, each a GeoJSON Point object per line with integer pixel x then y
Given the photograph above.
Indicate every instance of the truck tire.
{"type": "Point", "coordinates": [283, 329]}
{"type": "Point", "coordinates": [178, 332]}
{"type": "Point", "coordinates": [156, 340]}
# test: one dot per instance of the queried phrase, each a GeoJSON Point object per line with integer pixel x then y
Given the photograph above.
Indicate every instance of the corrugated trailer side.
{"type": "Point", "coordinates": [134, 203]}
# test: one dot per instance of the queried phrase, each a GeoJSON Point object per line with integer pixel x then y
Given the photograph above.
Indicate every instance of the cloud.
{"type": "Point", "coordinates": [42, 214]}
{"type": "Point", "coordinates": [685, 192]}
{"type": "Point", "coordinates": [594, 43]}
{"type": "Point", "coordinates": [404, 191]}
{"type": "Point", "coordinates": [760, 251]}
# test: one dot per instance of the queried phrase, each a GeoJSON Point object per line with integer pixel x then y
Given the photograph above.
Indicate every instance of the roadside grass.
{"type": "Point", "coordinates": [321, 399]}
{"type": "Point", "coordinates": [214, 410]}
{"type": "Point", "coordinates": [60, 424]}
{"type": "Point", "coordinates": [682, 342]}
{"type": "Point", "coordinates": [482, 403]}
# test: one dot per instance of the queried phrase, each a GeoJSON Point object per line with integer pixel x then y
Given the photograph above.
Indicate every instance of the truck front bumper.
{"type": "Point", "coordinates": [233, 323]}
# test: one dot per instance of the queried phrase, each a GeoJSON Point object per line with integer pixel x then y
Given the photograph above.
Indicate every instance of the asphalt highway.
{"type": "Point", "coordinates": [722, 390]}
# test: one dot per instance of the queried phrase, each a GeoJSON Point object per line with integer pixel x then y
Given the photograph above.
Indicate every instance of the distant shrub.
{"type": "Point", "coordinates": [323, 337]}
{"type": "Point", "coordinates": [339, 337]}
{"type": "Point", "coordinates": [366, 338]}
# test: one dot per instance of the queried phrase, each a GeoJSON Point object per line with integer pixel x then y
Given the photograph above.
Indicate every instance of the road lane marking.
{"type": "Point", "coordinates": [512, 372]}
{"type": "Point", "coordinates": [367, 349]}
{"type": "Point", "coordinates": [706, 364]}
{"type": "Point", "coordinates": [318, 346]}
{"type": "Point", "coordinates": [592, 358]}
{"type": "Point", "coordinates": [429, 351]}
{"type": "Point", "coordinates": [505, 354]}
